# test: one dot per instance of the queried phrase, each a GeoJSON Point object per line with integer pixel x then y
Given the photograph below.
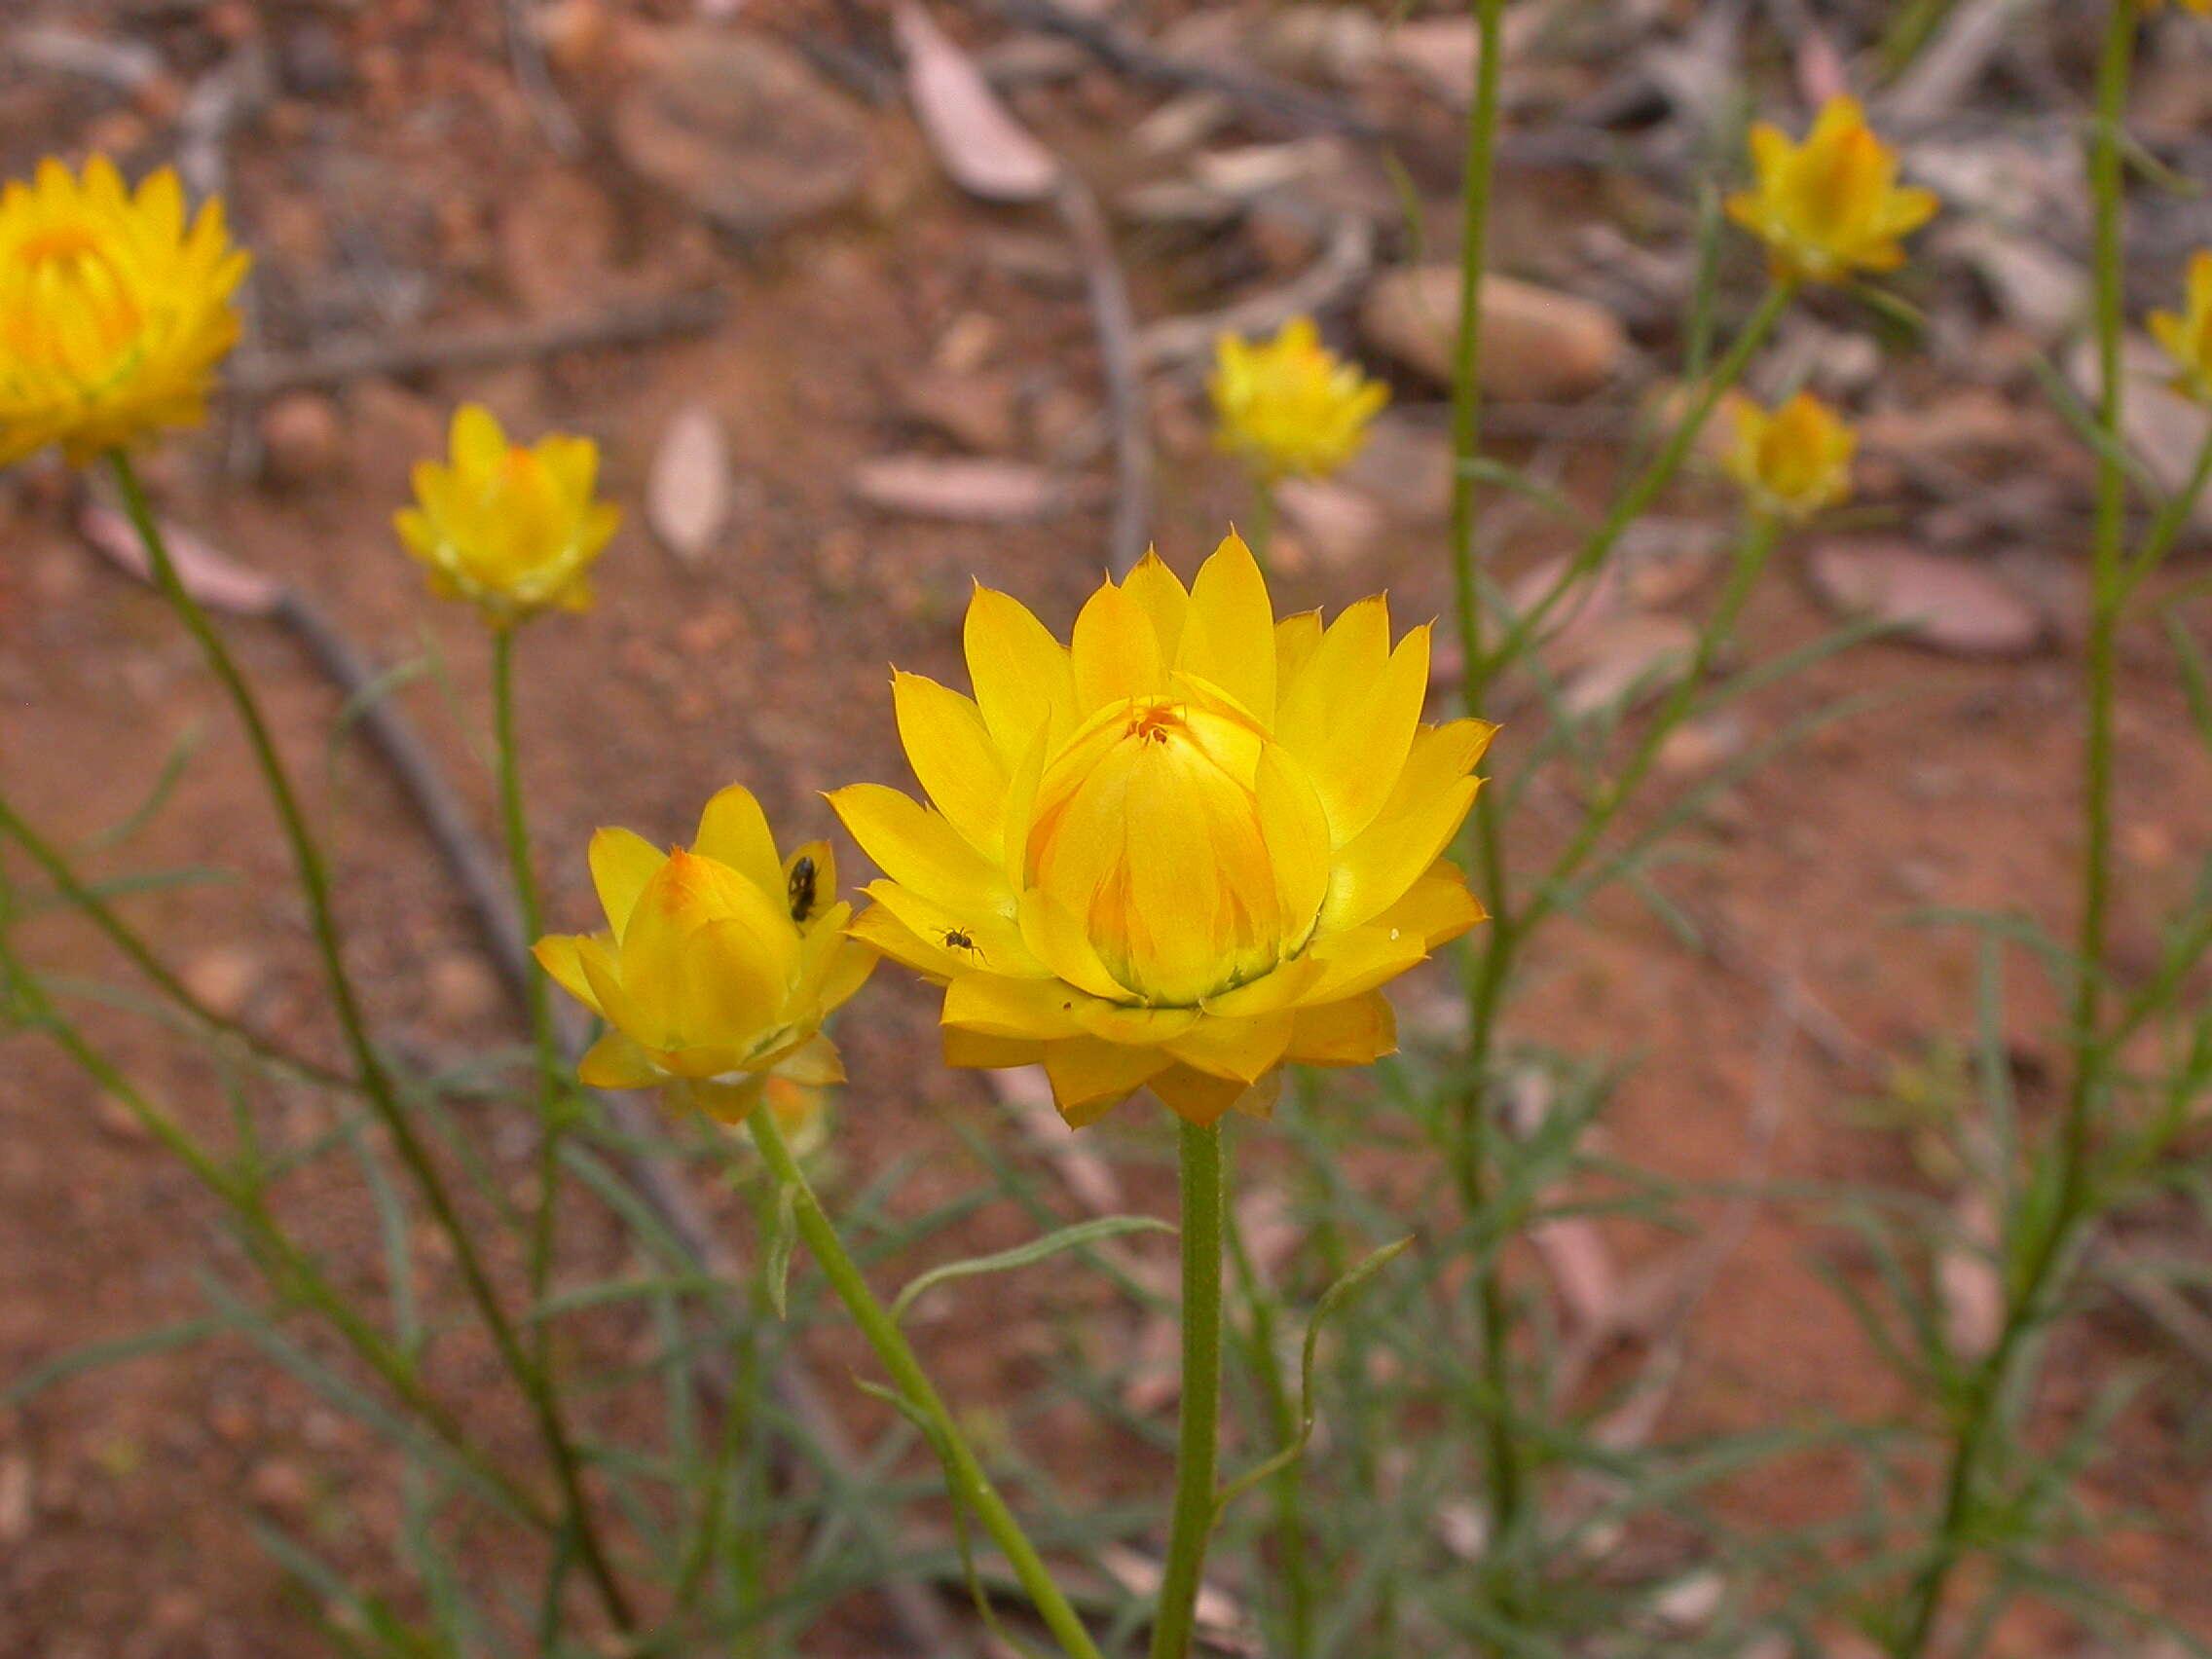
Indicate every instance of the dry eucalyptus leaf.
{"type": "Point", "coordinates": [688, 491]}
{"type": "Point", "coordinates": [967, 490]}
{"type": "Point", "coordinates": [1944, 603]}
{"type": "Point", "coordinates": [215, 580]}
{"type": "Point", "coordinates": [982, 148]}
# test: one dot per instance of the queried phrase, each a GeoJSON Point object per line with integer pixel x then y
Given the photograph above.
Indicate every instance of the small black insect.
{"type": "Point", "coordinates": [958, 938]}
{"type": "Point", "coordinates": [799, 889]}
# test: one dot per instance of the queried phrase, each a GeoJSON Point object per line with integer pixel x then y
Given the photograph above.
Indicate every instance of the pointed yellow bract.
{"type": "Point", "coordinates": [718, 964]}
{"type": "Point", "coordinates": [1177, 852]}
{"type": "Point", "coordinates": [2186, 334]}
{"type": "Point", "coordinates": [1290, 407]}
{"type": "Point", "coordinates": [1794, 460]}
{"type": "Point", "coordinates": [513, 530]}
{"type": "Point", "coordinates": [1831, 207]}
{"type": "Point", "coordinates": [114, 310]}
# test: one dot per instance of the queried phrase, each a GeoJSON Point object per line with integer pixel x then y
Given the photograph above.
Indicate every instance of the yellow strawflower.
{"type": "Point", "coordinates": [1830, 207]}
{"type": "Point", "coordinates": [511, 530]}
{"type": "Point", "coordinates": [2186, 334]}
{"type": "Point", "coordinates": [114, 312]}
{"type": "Point", "coordinates": [1290, 407]}
{"type": "Point", "coordinates": [718, 964]}
{"type": "Point", "coordinates": [1794, 460]}
{"type": "Point", "coordinates": [1179, 852]}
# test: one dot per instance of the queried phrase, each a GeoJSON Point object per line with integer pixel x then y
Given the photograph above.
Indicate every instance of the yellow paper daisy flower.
{"type": "Point", "coordinates": [513, 530]}
{"type": "Point", "coordinates": [718, 964]}
{"type": "Point", "coordinates": [1794, 460]}
{"type": "Point", "coordinates": [2186, 334]}
{"type": "Point", "coordinates": [1178, 852]}
{"type": "Point", "coordinates": [1290, 407]}
{"type": "Point", "coordinates": [1831, 207]}
{"type": "Point", "coordinates": [114, 312]}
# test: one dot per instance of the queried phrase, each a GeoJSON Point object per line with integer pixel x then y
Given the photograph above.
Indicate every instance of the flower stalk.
{"type": "Point", "coordinates": [2046, 1253]}
{"type": "Point", "coordinates": [971, 1485]}
{"type": "Point", "coordinates": [376, 1081]}
{"type": "Point", "coordinates": [1196, 1508]}
{"type": "Point", "coordinates": [553, 1096]}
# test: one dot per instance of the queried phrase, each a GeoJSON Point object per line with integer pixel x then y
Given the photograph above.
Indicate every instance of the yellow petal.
{"type": "Point", "coordinates": [1296, 829]}
{"type": "Point", "coordinates": [1089, 1076]}
{"type": "Point", "coordinates": [621, 864]}
{"type": "Point", "coordinates": [813, 1063]}
{"type": "Point", "coordinates": [1242, 1048]}
{"type": "Point", "coordinates": [1019, 671]}
{"type": "Point", "coordinates": [952, 752]}
{"type": "Point", "coordinates": [1161, 594]}
{"type": "Point", "coordinates": [1436, 908]}
{"type": "Point", "coordinates": [1296, 638]}
{"type": "Point", "coordinates": [849, 969]}
{"type": "Point", "coordinates": [1115, 651]}
{"type": "Point", "coordinates": [1358, 727]}
{"type": "Point", "coordinates": [1195, 1095]}
{"type": "Point", "coordinates": [1360, 960]}
{"type": "Point", "coordinates": [1375, 871]}
{"type": "Point", "coordinates": [1354, 1032]}
{"type": "Point", "coordinates": [973, 938]}
{"type": "Point", "coordinates": [996, 1007]}
{"type": "Point", "coordinates": [478, 444]}
{"type": "Point", "coordinates": [614, 1062]}
{"type": "Point", "coordinates": [919, 849]}
{"type": "Point", "coordinates": [1057, 941]}
{"type": "Point", "coordinates": [733, 830]}
{"type": "Point", "coordinates": [561, 956]}
{"type": "Point", "coordinates": [879, 930]}
{"type": "Point", "coordinates": [988, 1054]}
{"type": "Point", "coordinates": [1136, 1026]}
{"type": "Point", "coordinates": [1228, 638]}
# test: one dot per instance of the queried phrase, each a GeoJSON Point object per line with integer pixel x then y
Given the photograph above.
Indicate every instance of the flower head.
{"type": "Point", "coordinates": [1290, 407]}
{"type": "Point", "coordinates": [114, 312]}
{"type": "Point", "coordinates": [1830, 207]}
{"type": "Point", "coordinates": [1794, 461]}
{"type": "Point", "coordinates": [511, 530]}
{"type": "Point", "coordinates": [718, 964]}
{"type": "Point", "coordinates": [1178, 852]}
{"type": "Point", "coordinates": [2186, 336]}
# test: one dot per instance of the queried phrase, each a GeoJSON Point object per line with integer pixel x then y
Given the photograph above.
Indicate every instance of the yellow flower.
{"type": "Point", "coordinates": [1831, 206]}
{"type": "Point", "coordinates": [1177, 853]}
{"type": "Point", "coordinates": [1794, 461]}
{"type": "Point", "coordinates": [510, 530]}
{"type": "Point", "coordinates": [2186, 336]}
{"type": "Point", "coordinates": [1291, 407]}
{"type": "Point", "coordinates": [113, 311]}
{"type": "Point", "coordinates": [719, 965]}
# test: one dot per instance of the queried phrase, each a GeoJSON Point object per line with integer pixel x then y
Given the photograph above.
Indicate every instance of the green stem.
{"type": "Point", "coordinates": [552, 1090]}
{"type": "Point", "coordinates": [971, 1485]}
{"type": "Point", "coordinates": [1291, 1552]}
{"type": "Point", "coordinates": [1203, 1200]}
{"type": "Point", "coordinates": [1640, 495]}
{"type": "Point", "coordinates": [1262, 540]}
{"type": "Point", "coordinates": [1979, 1418]}
{"type": "Point", "coordinates": [376, 1081]}
{"type": "Point", "coordinates": [1751, 562]}
{"type": "Point", "coordinates": [1501, 1462]}
{"type": "Point", "coordinates": [1466, 370]}
{"type": "Point", "coordinates": [289, 1268]}
{"type": "Point", "coordinates": [140, 954]}
{"type": "Point", "coordinates": [2165, 528]}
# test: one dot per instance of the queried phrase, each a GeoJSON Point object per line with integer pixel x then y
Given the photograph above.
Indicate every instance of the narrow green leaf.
{"type": "Point", "coordinates": [1331, 1299]}
{"type": "Point", "coordinates": [783, 1235]}
{"type": "Point", "coordinates": [1022, 1255]}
